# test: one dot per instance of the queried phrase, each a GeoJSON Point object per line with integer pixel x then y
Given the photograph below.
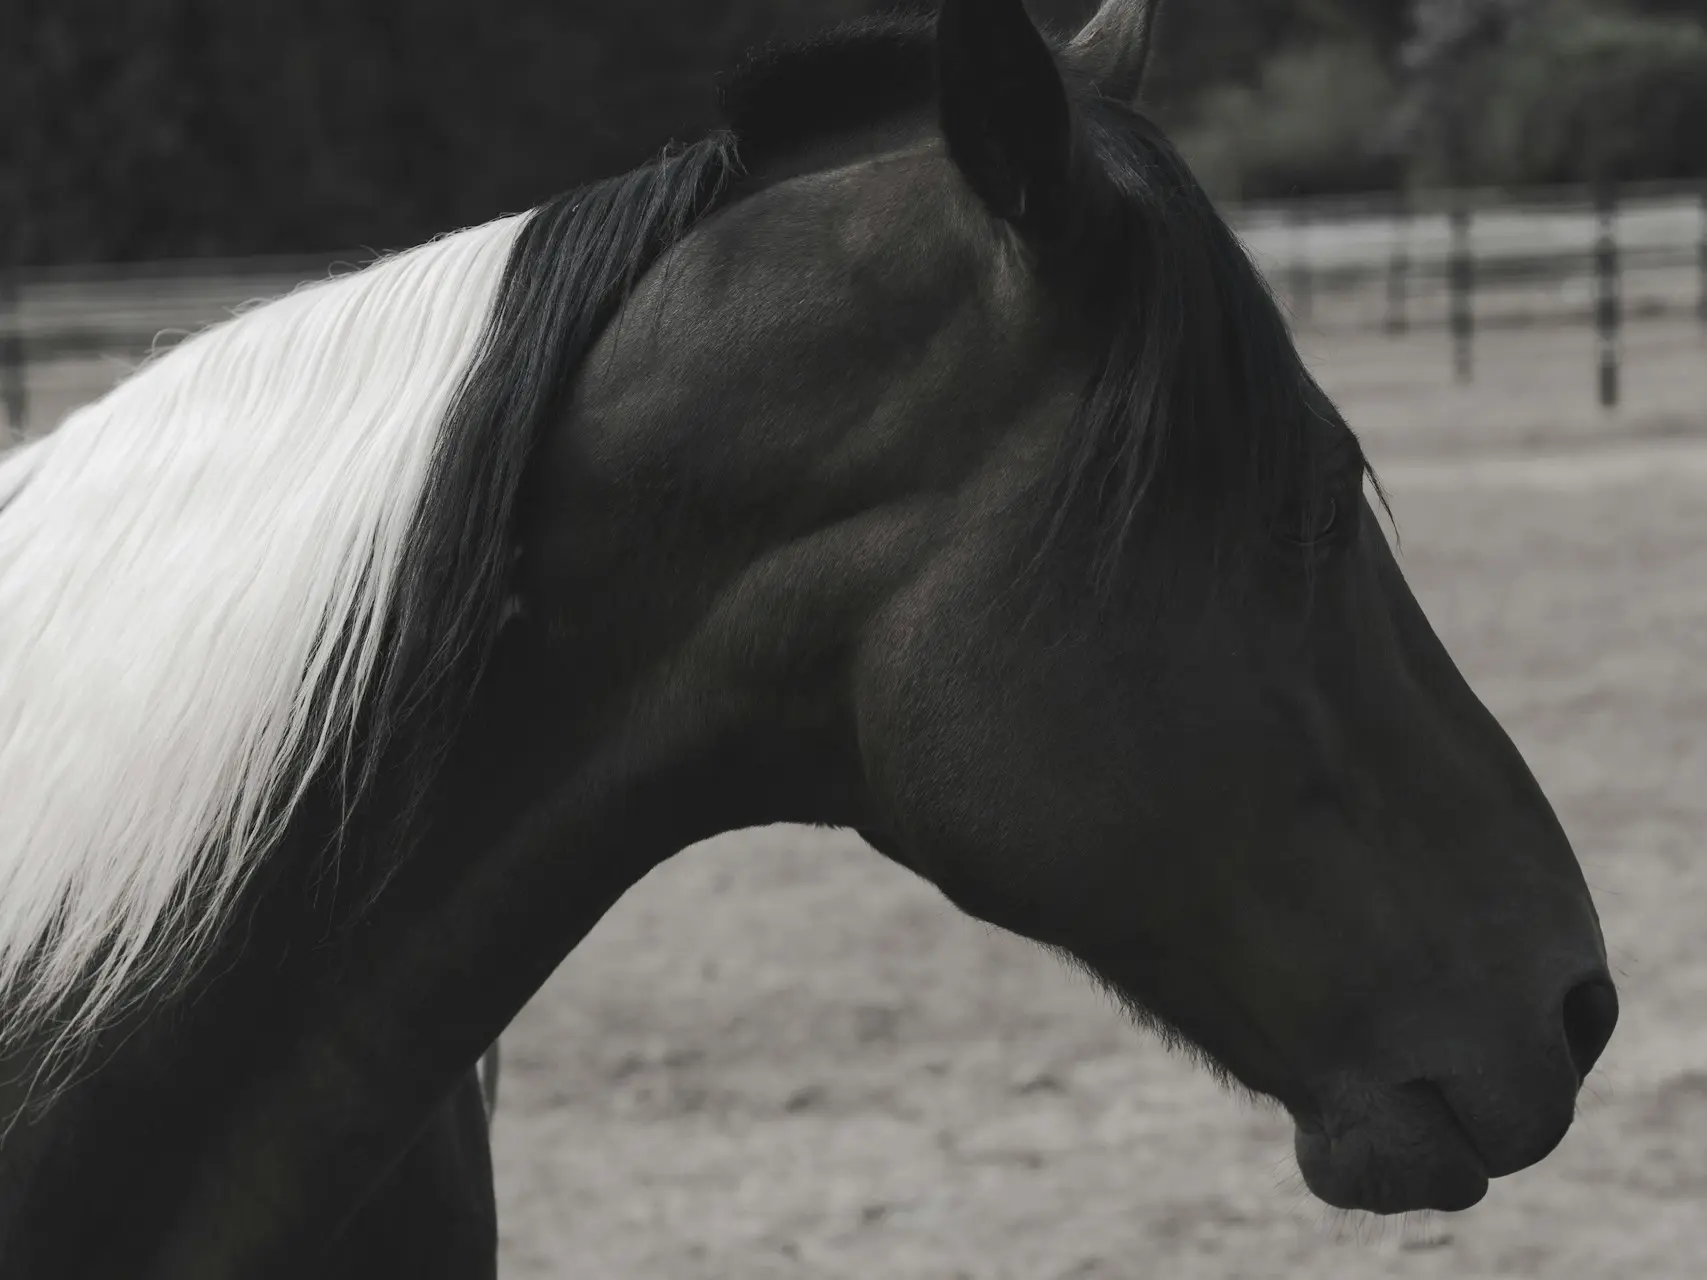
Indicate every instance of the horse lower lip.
{"type": "Point", "coordinates": [1431, 1091]}
{"type": "Point", "coordinates": [1385, 1164]}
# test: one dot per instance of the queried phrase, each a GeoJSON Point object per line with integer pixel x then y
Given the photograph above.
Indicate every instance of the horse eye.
{"type": "Point", "coordinates": [1317, 526]}
{"type": "Point", "coordinates": [1327, 520]}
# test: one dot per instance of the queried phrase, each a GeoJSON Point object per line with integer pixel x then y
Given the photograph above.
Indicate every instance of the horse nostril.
{"type": "Point", "coordinates": [1591, 1012]}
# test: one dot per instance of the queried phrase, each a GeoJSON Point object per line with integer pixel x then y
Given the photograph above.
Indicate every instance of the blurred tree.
{"type": "Point", "coordinates": [1309, 126]}
{"type": "Point", "coordinates": [1451, 41]}
{"type": "Point", "coordinates": [1281, 97]}
{"type": "Point", "coordinates": [1695, 10]}
{"type": "Point", "coordinates": [152, 128]}
{"type": "Point", "coordinates": [1587, 92]}
{"type": "Point", "coordinates": [138, 128]}
{"type": "Point", "coordinates": [1507, 92]}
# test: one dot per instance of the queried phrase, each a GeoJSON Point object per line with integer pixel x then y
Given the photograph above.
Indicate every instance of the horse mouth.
{"type": "Point", "coordinates": [1395, 1149]}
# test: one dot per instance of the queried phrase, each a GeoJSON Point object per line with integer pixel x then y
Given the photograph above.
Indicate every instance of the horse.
{"type": "Point", "coordinates": [918, 454]}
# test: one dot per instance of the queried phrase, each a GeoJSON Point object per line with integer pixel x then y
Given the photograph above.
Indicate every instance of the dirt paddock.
{"type": "Point", "coordinates": [781, 1056]}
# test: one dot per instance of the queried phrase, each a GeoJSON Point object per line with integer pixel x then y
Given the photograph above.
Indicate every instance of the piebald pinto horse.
{"type": "Point", "coordinates": [920, 455]}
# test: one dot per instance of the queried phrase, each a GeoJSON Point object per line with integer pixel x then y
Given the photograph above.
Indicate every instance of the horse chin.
{"type": "Point", "coordinates": [1398, 1149]}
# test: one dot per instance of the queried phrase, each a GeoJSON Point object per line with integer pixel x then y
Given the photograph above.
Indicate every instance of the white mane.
{"type": "Point", "coordinates": [195, 573]}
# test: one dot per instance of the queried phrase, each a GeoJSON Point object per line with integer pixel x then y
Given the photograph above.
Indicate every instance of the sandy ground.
{"type": "Point", "coordinates": [781, 1056]}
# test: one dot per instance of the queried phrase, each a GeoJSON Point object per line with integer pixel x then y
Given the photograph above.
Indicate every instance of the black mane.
{"type": "Point", "coordinates": [571, 268]}
{"type": "Point", "coordinates": [1202, 400]}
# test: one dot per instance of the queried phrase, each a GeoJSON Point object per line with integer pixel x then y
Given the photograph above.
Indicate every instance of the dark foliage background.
{"type": "Point", "coordinates": [158, 128]}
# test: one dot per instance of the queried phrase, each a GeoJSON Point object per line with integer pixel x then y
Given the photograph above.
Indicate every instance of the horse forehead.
{"type": "Point", "coordinates": [888, 241]}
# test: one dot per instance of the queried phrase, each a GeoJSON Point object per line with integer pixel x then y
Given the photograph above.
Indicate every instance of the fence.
{"type": "Point", "coordinates": [1463, 261]}
{"type": "Point", "coordinates": [59, 317]}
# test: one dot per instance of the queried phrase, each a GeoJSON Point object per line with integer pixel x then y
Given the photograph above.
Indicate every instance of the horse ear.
{"type": "Point", "coordinates": [1004, 110]}
{"type": "Point", "coordinates": [1113, 49]}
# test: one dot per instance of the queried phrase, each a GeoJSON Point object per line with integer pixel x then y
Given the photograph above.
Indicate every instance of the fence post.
{"type": "Point", "coordinates": [1399, 266]}
{"type": "Point", "coordinates": [1701, 301]}
{"type": "Point", "coordinates": [1461, 279]}
{"type": "Point", "coordinates": [1607, 312]}
{"type": "Point", "coordinates": [1301, 282]}
{"type": "Point", "coordinates": [14, 392]}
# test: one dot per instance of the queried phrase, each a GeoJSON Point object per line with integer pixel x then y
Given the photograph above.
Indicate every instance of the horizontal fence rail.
{"type": "Point", "coordinates": [1464, 262]}
{"type": "Point", "coordinates": [1461, 262]}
